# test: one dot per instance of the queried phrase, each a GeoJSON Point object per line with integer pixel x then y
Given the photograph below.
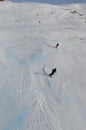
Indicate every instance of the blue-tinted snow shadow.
{"type": "Point", "coordinates": [17, 121]}
{"type": "Point", "coordinates": [41, 74]}
{"type": "Point", "coordinates": [30, 59]}
{"type": "Point", "coordinates": [11, 111]}
{"type": "Point", "coordinates": [54, 2]}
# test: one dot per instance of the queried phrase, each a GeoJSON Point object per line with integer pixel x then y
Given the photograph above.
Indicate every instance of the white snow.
{"type": "Point", "coordinates": [29, 98]}
{"type": "Point", "coordinates": [52, 1]}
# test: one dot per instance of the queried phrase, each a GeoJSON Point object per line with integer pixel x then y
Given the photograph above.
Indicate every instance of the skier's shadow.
{"type": "Point", "coordinates": [37, 73]}
{"type": "Point", "coordinates": [44, 73]}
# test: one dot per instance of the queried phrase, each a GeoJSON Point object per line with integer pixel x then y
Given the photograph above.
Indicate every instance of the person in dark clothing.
{"type": "Point", "coordinates": [52, 73]}
{"type": "Point", "coordinates": [57, 45]}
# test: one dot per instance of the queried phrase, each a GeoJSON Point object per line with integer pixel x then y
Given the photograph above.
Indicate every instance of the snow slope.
{"type": "Point", "coordinates": [52, 1]}
{"type": "Point", "coordinates": [29, 99]}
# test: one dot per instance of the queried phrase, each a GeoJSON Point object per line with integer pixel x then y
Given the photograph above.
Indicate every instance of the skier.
{"type": "Point", "coordinates": [52, 73]}
{"type": "Point", "coordinates": [57, 45]}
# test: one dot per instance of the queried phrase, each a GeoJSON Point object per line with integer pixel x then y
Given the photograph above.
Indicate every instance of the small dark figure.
{"type": "Point", "coordinates": [57, 45]}
{"type": "Point", "coordinates": [39, 21]}
{"type": "Point", "coordinates": [52, 13]}
{"type": "Point", "coordinates": [52, 73]}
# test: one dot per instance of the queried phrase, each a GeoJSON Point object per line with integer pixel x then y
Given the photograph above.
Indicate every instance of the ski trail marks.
{"type": "Point", "coordinates": [17, 121]}
{"type": "Point", "coordinates": [32, 58]}
{"type": "Point", "coordinates": [14, 57]}
{"type": "Point", "coordinates": [43, 112]}
{"type": "Point", "coordinates": [23, 83]}
{"type": "Point", "coordinates": [41, 116]}
{"type": "Point", "coordinates": [15, 99]}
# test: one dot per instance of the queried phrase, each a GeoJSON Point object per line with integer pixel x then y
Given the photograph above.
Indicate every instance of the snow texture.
{"type": "Point", "coordinates": [29, 98]}
{"type": "Point", "coordinates": [52, 1]}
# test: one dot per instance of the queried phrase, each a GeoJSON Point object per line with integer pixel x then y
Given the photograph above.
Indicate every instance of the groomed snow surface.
{"type": "Point", "coordinates": [52, 1]}
{"type": "Point", "coordinates": [29, 98]}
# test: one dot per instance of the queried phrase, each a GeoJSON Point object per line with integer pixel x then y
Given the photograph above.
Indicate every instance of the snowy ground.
{"type": "Point", "coordinates": [29, 99]}
{"type": "Point", "coordinates": [52, 1]}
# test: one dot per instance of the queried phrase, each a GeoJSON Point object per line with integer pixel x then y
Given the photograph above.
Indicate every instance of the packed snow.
{"type": "Point", "coordinates": [52, 1]}
{"type": "Point", "coordinates": [29, 98]}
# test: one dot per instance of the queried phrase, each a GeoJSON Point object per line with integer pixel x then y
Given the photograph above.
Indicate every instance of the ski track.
{"type": "Point", "coordinates": [20, 88]}
{"type": "Point", "coordinates": [30, 99]}
{"type": "Point", "coordinates": [29, 59]}
{"type": "Point", "coordinates": [42, 108]}
{"type": "Point", "coordinates": [46, 97]}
